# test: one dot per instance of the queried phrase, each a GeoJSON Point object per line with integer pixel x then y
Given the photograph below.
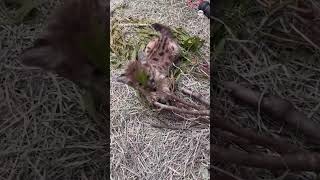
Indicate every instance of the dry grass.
{"type": "Point", "coordinates": [140, 150]}
{"type": "Point", "coordinates": [271, 52]}
{"type": "Point", "coordinates": [46, 134]}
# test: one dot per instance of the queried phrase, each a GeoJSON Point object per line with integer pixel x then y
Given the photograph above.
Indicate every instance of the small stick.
{"type": "Point", "coordinates": [196, 96]}
{"type": "Point", "coordinates": [185, 102]}
{"type": "Point", "coordinates": [276, 107]}
{"type": "Point", "coordinates": [185, 111]}
{"type": "Point", "coordinates": [181, 105]}
{"type": "Point", "coordinates": [278, 145]}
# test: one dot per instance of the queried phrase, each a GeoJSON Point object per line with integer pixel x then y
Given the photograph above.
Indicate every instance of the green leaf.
{"type": "Point", "coordinates": [142, 46]}
{"type": "Point", "coordinates": [192, 44]}
{"type": "Point", "coordinates": [176, 73]}
{"type": "Point", "coordinates": [142, 77]}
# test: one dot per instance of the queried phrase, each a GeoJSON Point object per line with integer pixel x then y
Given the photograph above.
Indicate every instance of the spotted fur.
{"type": "Point", "coordinates": [156, 61]}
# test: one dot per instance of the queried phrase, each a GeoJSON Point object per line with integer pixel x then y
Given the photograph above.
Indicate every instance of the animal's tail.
{"type": "Point", "coordinates": [164, 30]}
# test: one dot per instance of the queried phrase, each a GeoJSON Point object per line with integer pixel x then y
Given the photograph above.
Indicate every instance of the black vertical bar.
{"type": "Point", "coordinates": [108, 86]}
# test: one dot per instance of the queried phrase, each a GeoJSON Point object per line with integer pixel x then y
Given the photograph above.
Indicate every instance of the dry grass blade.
{"type": "Point", "coordinates": [179, 110]}
{"type": "Point", "coordinates": [305, 37]}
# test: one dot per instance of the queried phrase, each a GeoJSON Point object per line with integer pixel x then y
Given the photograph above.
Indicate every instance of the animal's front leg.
{"type": "Point", "coordinates": [150, 96]}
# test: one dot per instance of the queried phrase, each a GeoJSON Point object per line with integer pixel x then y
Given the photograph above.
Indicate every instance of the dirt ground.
{"type": "Point", "coordinates": [46, 134]}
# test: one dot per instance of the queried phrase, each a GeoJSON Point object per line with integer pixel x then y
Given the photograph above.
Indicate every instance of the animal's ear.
{"type": "Point", "coordinates": [42, 57]}
{"type": "Point", "coordinates": [142, 57]}
{"type": "Point", "coordinates": [123, 79]}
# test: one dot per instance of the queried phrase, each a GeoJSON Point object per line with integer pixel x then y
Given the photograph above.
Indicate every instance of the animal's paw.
{"type": "Point", "coordinates": [156, 97]}
{"type": "Point", "coordinates": [152, 97]}
{"type": "Point", "coordinates": [163, 100]}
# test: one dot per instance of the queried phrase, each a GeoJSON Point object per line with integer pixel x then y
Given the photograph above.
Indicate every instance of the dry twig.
{"type": "Point", "coordinates": [179, 110]}
{"type": "Point", "coordinates": [196, 96]}
{"type": "Point", "coordinates": [277, 108]}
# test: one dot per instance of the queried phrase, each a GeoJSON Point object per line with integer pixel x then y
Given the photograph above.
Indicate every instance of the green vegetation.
{"type": "Point", "coordinates": [130, 36]}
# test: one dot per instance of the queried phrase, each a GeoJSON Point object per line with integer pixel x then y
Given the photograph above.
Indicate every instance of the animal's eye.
{"type": "Point", "coordinates": [152, 81]}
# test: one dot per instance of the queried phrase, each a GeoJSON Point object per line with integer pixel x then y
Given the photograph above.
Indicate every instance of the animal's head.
{"type": "Point", "coordinates": [138, 74]}
{"type": "Point", "coordinates": [147, 80]}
